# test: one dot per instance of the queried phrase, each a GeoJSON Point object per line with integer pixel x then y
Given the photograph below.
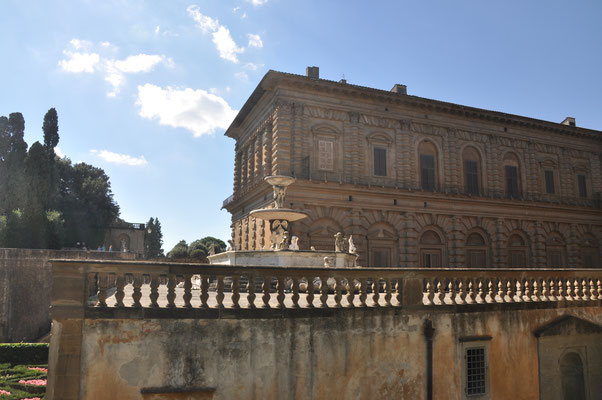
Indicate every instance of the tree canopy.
{"type": "Point", "coordinates": [153, 239]}
{"type": "Point", "coordinates": [198, 249]}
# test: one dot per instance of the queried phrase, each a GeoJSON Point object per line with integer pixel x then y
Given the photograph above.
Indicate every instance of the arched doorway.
{"type": "Point", "coordinates": [573, 382]}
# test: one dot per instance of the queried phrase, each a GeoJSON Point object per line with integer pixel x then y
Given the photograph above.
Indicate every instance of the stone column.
{"type": "Point", "coordinates": [281, 138]}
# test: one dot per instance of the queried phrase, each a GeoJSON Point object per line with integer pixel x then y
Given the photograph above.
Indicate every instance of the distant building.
{"type": "Point", "coordinates": [417, 182]}
{"type": "Point", "coordinates": [126, 237]}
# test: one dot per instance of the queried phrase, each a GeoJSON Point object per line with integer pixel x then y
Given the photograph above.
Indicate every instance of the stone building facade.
{"type": "Point", "coordinates": [417, 182]}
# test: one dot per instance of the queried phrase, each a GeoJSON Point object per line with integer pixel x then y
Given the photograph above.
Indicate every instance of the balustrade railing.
{"type": "Point", "coordinates": [171, 285]}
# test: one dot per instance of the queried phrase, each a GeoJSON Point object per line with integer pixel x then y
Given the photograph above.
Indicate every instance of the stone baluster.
{"type": "Point", "coordinates": [219, 291]}
{"type": "Point", "coordinates": [375, 291]}
{"type": "Point", "coordinates": [535, 296]}
{"type": "Point", "coordinates": [470, 296]}
{"type": "Point", "coordinates": [338, 293]}
{"type": "Point", "coordinates": [545, 293]}
{"type": "Point", "coordinates": [585, 289]}
{"type": "Point", "coordinates": [552, 292]}
{"type": "Point", "coordinates": [430, 293]}
{"type": "Point", "coordinates": [452, 292]}
{"type": "Point", "coordinates": [480, 292]}
{"type": "Point", "coordinates": [266, 291]}
{"type": "Point", "coordinates": [499, 297]}
{"type": "Point", "coordinates": [398, 291]}
{"type": "Point", "coordinates": [490, 297]}
{"type": "Point", "coordinates": [569, 291]}
{"type": "Point", "coordinates": [388, 292]}
{"type": "Point", "coordinates": [154, 293]}
{"type": "Point", "coordinates": [510, 287]}
{"type": "Point", "coordinates": [461, 292]}
{"type": "Point", "coordinates": [235, 291]}
{"type": "Point", "coordinates": [440, 292]}
{"type": "Point", "coordinates": [101, 292]}
{"type": "Point", "coordinates": [577, 295]}
{"type": "Point", "coordinates": [204, 291]}
{"type": "Point", "coordinates": [171, 290]}
{"type": "Point", "coordinates": [599, 284]}
{"type": "Point", "coordinates": [119, 293]}
{"type": "Point", "coordinates": [280, 289]}
{"type": "Point", "coordinates": [137, 295]}
{"type": "Point", "coordinates": [363, 295]}
{"type": "Point", "coordinates": [350, 293]}
{"type": "Point", "coordinates": [295, 296]}
{"type": "Point", "coordinates": [526, 290]}
{"type": "Point", "coordinates": [323, 291]}
{"type": "Point", "coordinates": [187, 290]}
{"type": "Point", "coordinates": [251, 291]}
{"type": "Point", "coordinates": [310, 292]}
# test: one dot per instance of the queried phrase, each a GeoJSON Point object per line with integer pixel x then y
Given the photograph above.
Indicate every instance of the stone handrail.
{"type": "Point", "coordinates": [131, 285]}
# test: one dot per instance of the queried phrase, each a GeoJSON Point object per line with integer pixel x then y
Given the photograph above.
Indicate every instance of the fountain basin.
{"type": "Point", "coordinates": [287, 214]}
{"type": "Point", "coordinates": [288, 258]}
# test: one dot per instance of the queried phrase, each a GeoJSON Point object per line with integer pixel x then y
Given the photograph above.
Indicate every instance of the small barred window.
{"type": "Point", "coordinates": [475, 371]}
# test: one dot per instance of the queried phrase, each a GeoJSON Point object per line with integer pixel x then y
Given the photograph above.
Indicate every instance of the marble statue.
{"type": "Point", "coordinates": [294, 243]}
{"type": "Point", "coordinates": [352, 248]}
{"type": "Point", "coordinates": [339, 242]}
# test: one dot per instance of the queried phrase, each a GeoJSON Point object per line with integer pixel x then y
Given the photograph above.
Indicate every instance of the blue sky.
{"type": "Point", "coordinates": [145, 89]}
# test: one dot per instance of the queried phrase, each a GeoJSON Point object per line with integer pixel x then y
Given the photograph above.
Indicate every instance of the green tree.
{"type": "Point", "coordinates": [220, 246]}
{"type": "Point", "coordinates": [13, 151]}
{"type": "Point", "coordinates": [180, 250]}
{"type": "Point", "coordinates": [51, 130]}
{"type": "Point", "coordinates": [153, 239]}
{"type": "Point", "coordinates": [198, 249]}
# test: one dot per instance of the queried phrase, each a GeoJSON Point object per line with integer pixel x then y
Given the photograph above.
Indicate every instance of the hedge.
{"type": "Point", "coordinates": [24, 353]}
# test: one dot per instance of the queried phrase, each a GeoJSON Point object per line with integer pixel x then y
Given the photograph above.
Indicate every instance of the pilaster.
{"type": "Point", "coordinates": [500, 253]}
{"type": "Point", "coordinates": [539, 250]}
{"type": "Point", "coordinates": [281, 138]}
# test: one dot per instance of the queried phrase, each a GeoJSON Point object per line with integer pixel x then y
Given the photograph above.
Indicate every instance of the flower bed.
{"type": "Point", "coordinates": [22, 382]}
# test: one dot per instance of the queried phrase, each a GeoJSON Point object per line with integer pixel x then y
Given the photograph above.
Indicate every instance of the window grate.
{"type": "Point", "coordinates": [475, 371]}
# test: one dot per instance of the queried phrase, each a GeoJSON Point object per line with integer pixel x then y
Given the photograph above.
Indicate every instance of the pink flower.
{"type": "Point", "coordinates": [45, 370]}
{"type": "Point", "coordinates": [4, 392]}
{"type": "Point", "coordinates": [34, 382]}
{"type": "Point", "coordinates": [32, 398]}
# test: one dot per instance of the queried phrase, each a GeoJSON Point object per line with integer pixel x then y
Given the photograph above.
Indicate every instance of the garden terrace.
{"type": "Point", "coordinates": [106, 289]}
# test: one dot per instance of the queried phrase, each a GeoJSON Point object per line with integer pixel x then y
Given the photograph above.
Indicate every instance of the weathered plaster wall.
{"type": "Point", "coordinates": [353, 354]}
{"type": "Point", "coordinates": [25, 283]}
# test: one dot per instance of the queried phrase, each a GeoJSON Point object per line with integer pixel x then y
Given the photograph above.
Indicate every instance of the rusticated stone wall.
{"type": "Point", "coordinates": [25, 284]}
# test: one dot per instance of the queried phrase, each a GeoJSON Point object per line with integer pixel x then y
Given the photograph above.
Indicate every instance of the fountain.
{"type": "Point", "coordinates": [284, 250]}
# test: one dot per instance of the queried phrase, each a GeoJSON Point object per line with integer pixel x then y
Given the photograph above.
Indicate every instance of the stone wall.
{"type": "Point", "coordinates": [25, 284]}
{"type": "Point", "coordinates": [348, 354]}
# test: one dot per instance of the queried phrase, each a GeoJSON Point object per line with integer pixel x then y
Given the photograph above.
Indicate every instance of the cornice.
{"type": "Point", "coordinates": [273, 79]}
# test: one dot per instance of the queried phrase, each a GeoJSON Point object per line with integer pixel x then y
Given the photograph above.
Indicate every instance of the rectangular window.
{"type": "Point", "coordinates": [476, 259]}
{"type": "Point", "coordinates": [431, 259]}
{"type": "Point", "coordinates": [380, 162]}
{"type": "Point", "coordinates": [472, 177]}
{"type": "Point", "coordinates": [381, 257]}
{"type": "Point", "coordinates": [511, 181]}
{"type": "Point", "coordinates": [582, 185]}
{"type": "Point", "coordinates": [475, 371]}
{"type": "Point", "coordinates": [517, 258]}
{"type": "Point", "coordinates": [555, 259]}
{"type": "Point", "coordinates": [549, 175]}
{"type": "Point", "coordinates": [325, 155]}
{"type": "Point", "coordinates": [427, 168]}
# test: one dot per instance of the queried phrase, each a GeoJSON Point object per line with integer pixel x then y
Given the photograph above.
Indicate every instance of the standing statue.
{"type": "Point", "coordinates": [279, 193]}
{"type": "Point", "coordinates": [212, 249]}
{"type": "Point", "coordinates": [339, 242]}
{"type": "Point", "coordinates": [294, 243]}
{"type": "Point", "coordinates": [284, 244]}
{"type": "Point", "coordinates": [352, 248]}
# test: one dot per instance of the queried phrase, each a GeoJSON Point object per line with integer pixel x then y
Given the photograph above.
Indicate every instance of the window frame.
{"type": "Point", "coordinates": [376, 171]}
{"type": "Point", "coordinates": [469, 343]}
{"type": "Point", "coordinates": [431, 173]}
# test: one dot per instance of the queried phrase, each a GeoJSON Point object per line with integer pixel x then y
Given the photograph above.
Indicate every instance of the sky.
{"type": "Point", "coordinates": [146, 89]}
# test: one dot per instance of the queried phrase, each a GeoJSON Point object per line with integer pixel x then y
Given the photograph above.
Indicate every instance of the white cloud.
{"type": "Point", "coordinates": [117, 158]}
{"type": "Point", "coordinates": [198, 111]}
{"type": "Point", "coordinates": [242, 76]}
{"type": "Point", "coordinates": [225, 45]}
{"type": "Point", "coordinates": [59, 152]}
{"type": "Point", "coordinates": [258, 2]}
{"type": "Point", "coordinates": [114, 71]}
{"type": "Point", "coordinates": [255, 40]}
{"type": "Point", "coordinates": [252, 66]}
{"type": "Point", "coordinates": [243, 16]}
{"type": "Point", "coordinates": [157, 29]}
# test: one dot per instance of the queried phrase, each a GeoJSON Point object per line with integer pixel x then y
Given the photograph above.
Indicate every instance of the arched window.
{"type": "Point", "coordinates": [512, 175]}
{"type": "Point", "coordinates": [431, 250]}
{"type": "Point", "coordinates": [590, 251]}
{"type": "Point", "coordinates": [572, 377]}
{"type": "Point", "coordinates": [555, 250]}
{"type": "Point", "coordinates": [518, 253]}
{"type": "Point", "coordinates": [477, 251]}
{"type": "Point", "coordinates": [472, 171]}
{"type": "Point", "coordinates": [427, 153]}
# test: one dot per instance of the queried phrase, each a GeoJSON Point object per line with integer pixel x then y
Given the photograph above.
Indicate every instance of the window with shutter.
{"type": "Point", "coordinates": [380, 162]}
{"type": "Point", "coordinates": [427, 168]}
{"type": "Point", "coordinates": [471, 169]}
{"type": "Point", "coordinates": [549, 176]}
{"type": "Point", "coordinates": [325, 155]}
{"type": "Point", "coordinates": [511, 181]}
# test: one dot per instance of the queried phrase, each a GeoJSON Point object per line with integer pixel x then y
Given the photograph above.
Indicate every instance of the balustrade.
{"type": "Point", "coordinates": [171, 285]}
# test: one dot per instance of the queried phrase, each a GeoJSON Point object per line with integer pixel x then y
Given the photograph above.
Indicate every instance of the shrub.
{"type": "Point", "coordinates": [24, 353]}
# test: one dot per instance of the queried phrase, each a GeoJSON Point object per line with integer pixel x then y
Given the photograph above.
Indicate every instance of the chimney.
{"type": "Point", "coordinates": [400, 89]}
{"type": "Point", "coordinates": [313, 72]}
{"type": "Point", "coordinates": [570, 121]}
